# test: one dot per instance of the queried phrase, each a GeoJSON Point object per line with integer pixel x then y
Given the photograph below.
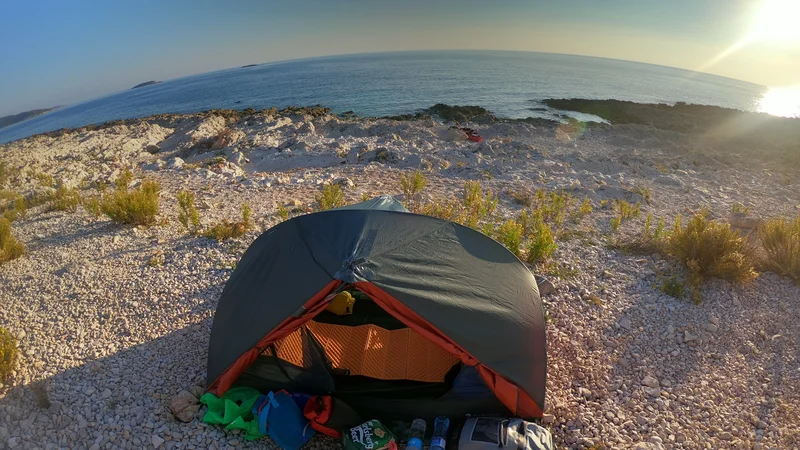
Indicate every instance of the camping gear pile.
{"type": "Point", "coordinates": [371, 312]}
{"type": "Point", "coordinates": [472, 134]}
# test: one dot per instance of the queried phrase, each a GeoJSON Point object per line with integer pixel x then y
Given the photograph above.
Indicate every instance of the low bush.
{"type": "Point", "coordinates": [442, 209]}
{"type": "Point", "coordinates": [412, 185]}
{"type": "Point", "coordinates": [651, 240]}
{"type": "Point", "coordinates": [8, 354]}
{"type": "Point", "coordinates": [16, 209]}
{"type": "Point", "coordinates": [510, 234]}
{"type": "Point", "coordinates": [673, 286]}
{"type": "Point", "coordinates": [541, 243]}
{"type": "Point", "coordinates": [711, 249]}
{"type": "Point", "coordinates": [329, 197]}
{"type": "Point", "coordinates": [625, 211]}
{"type": "Point", "coordinates": [187, 212]}
{"type": "Point", "coordinates": [65, 199]}
{"type": "Point", "coordinates": [780, 239]}
{"type": "Point", "coordinates": [229, 230]}
{"type": "Point", "coordinates": [476, 204]}
{"type": "Point", "coordinates": [138, 206]}
{"type": "Point", "coordinates": [45, 179]}
{"type": "Point", "coordinates": [283, 213]}
{"type": "Point", "coordinates": [10, 247]}
{"type": "Point", "coordinates": [584, 210]}
{"type": "Point", "coordinates": [92, 205]}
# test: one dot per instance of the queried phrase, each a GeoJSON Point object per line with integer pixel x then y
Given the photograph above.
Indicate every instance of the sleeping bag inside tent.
{"type": "Point", "coordinates": [399, 315]}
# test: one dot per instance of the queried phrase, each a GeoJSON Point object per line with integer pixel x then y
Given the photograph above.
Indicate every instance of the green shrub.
{"type": "Point", "coordinates": [92, 205]}
{"type": "Point", "coordinates": [137, 207]}
{"type": "Point", "coordinates": [8, 354]}
{"type": "Point", "coordinates": [541, 244]}
{"type": "Point", "coordinates": [228, 230]}
{"type": "Point", "coordinates": [627, 211]}
{"type": "Point", "coordinates": [65, 199]}
{"type": "Point", "coordinates": [247, 213]}
{"type": "Point", "coordinates": [124, 179]}
{"type": "Point", "coordinates": [283, 213]}
{"type": "Point", "coordinates": [45, 179]}
{"type": "Point", "coordinates": [711, 249]}
{"type": "Point", "coordinates": [673, 286]}
{"type": "Point", "coordinates": [17, 209]}
{"type": "Point", "coordinates": [442, 209]}
{"type": "Point", "coordinates": [651, 240]}
{"type": "Point", "coordinates": [584, 210]}
{"type": "Point", "coordinates": [329, 197]}
{"type": "Point", "coordinates": [476, 205]}
{"type": "Point", "coordinates": [412, 185]}
{"type": "Point", "coordinates": [510, 234]}
{"type": "Point", "coordinates": [552, 206]}
{"type": "Point", "coordinates": [615, 223]}
{"type": "Point", "coordinates": [10, 247]}
{"type": "Point", "coordinates": [780, 239]}
{"type": "Point", "coordinates": [187, 214]}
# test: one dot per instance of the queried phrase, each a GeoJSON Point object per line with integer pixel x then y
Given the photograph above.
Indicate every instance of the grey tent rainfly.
{"type": "Point", "coordinates": [463, 293]}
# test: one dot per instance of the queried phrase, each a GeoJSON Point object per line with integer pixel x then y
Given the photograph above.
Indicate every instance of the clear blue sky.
{"type": "Point", "coordinates": [61, 52]}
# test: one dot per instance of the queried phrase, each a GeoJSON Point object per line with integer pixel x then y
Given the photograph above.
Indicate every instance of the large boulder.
{"type": "Point", "coordinates": [175, 163]}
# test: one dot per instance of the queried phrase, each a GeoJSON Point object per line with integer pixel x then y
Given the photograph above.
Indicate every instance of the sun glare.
{"type": "Point", "coordinates": [783, 101]}
{"type": "Point", "coordinates": [777, 21]}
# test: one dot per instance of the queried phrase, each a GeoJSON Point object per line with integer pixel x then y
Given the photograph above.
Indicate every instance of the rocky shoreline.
{"type": "Point", "coordinates": [109, 338]}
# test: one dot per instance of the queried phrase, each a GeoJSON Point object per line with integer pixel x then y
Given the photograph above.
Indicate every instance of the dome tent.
{"type": "Point", "coordinates": [460, 292]}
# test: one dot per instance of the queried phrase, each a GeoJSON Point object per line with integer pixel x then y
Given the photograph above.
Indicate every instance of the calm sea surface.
{"type": "Point", "coordinates": [509, 84]}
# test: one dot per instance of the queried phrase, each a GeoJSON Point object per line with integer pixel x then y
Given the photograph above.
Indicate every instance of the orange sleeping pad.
{"type": "Point", "coordinates": [373, 351]}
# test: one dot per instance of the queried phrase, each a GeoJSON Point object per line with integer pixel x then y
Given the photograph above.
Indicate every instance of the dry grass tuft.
{"type": "Point", "coordinates": [8, 353]}
{"type": "Point", "coordinates": [65, 199]}
{"type": "Point", "coordinates": [10, 247]}
{"type": "Point", "coordinates": [780, 239]}
{"type": "Point", "coordinates": [231, 230]}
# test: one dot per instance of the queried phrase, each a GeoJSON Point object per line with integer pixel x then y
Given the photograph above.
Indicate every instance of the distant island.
{"type": "Point", "coordinates": [249, 65]}
{"type": "Point", "coordinates": [14, 118]}
{"type": "Point", "coordinates": [146, 83]}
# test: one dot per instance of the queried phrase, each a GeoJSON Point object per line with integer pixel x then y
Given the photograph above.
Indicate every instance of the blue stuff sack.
{"type": "Point", "coordinates": [280, 417]}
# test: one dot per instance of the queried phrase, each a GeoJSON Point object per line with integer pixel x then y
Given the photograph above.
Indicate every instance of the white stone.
{"type": "Point", "coordinates": [157, 441]}
{"type": "Point", "coordinates": [650, 381]}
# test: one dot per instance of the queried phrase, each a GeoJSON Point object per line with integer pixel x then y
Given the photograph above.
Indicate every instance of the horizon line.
{"type": "Point", "coordinates": [281, 61]}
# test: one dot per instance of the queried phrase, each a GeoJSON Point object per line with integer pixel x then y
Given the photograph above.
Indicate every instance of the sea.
{"type": "Point", "coordinates": [509, 84]}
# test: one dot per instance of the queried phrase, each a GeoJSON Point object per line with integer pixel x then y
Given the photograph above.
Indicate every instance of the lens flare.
{"type": "Point", "coordinates": [776, 21]}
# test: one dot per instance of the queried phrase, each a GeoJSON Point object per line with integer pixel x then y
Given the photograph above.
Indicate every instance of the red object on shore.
{"type": "Point", "coordinates": [472, 135]}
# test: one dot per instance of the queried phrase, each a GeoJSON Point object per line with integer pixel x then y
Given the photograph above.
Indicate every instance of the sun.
{"type": "Point", "coordinates": [777, 21]}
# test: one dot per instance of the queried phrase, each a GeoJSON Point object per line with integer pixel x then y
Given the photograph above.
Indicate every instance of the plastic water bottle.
{"type": "Point", "coordinates": [440, 426]}
{"type": "Point", "coordinates": [416, 435]}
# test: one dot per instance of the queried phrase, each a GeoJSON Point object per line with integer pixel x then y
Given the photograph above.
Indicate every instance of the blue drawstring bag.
{"type": "Point", "coordinates": [279, 415]}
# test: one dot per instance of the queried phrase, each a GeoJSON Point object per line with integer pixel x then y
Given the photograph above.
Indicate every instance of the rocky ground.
{"type": "Point", "coordinates": [106, 339]}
